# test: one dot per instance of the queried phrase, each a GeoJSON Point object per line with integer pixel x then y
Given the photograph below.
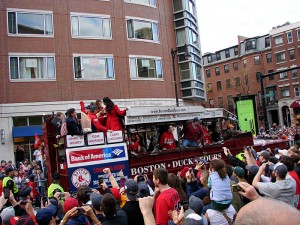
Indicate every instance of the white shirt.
{"type": "Point", "coordinates": [216, 218]}
{"type": "Point", "coordinates": [38, 155]}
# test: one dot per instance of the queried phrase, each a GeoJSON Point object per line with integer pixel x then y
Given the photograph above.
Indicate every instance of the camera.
{"type": "Point", "coordinates": [185, 205]}
{"type": "Point", "coordinates": [235, 188]}
{"type": "Point", "coordinates": [6, 192]}
{"type": "Point", "coordinates": [80, 210]}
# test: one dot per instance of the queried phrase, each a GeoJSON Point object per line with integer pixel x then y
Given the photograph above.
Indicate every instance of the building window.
{"type": "Point", "coordinates": [272, 95]}
{"type": "Point", "coordinates": [228, 85]}
{"type": "Point", "coordinates": [90, 26]}
{"type": "Point", "coordinates": [294, 73]}
{"type": "Point", "coordinates": [32, 68]}
{"type": "Point", "coordinates": [272, 76]}
{"type": "Point", "coordinates": [267, 42]}
{"type": "Point", "coordinates": [211, 103]}
{"type": "Point", "coordinates": [250, 44]}
{"type": "Point", "coordinates": [217, 70]}
{"type": "Point", "coordinates": [235, 66]}
{"type": "Point", "coordinates": [246, 79]}
{"type": "Point", "coordinates": [245, 62]}
{"type": "Point", "coordinates": [220, 100]}
{"type": "Point", "coordinates": [30, 23]}
{"type": "Point", "coordinates": [285, 93]}
{"type": "Point", "coordinates": [207, 72]}
{"type": "Point", "coordinates": [146, 68]}
{"type": "Point", "coordinates": [258, 76]}
{"type": "Point", "coordinates": [298, 35]}
{"type": "Point", "coordinates": [283, 75]}
{"type": "Point", "coordinates": [218, 55]}
{"type": "Point", "coordinates": [177, 4]}
{"type": "Point", "coordinates": [257, 60]}
{"type": "Point", "coordinates": [289, 36]}
{"type": "Point", "coordinates": [237, 81]}
{"type": "Point", "coordinates": [236, 51]}
{"type": "Point", "coordinates": [292, 54]}
{"type": "Point", "coordinates": [93, 67]}
{"type": "Point", "coordinates": [145, 30]}
{"type": "Point", "coordinates": [280, 57]}
{"type": "Point", "coordinates": [296, 90]}
{"type": "Point", "coordinates": [143, 2]}
{"type": "Point", "coordinates": [190, 7]}
{"type": "Point", "coordinates": [209, 59]}
{"type": "Point", "coordinates": [209, 87]}
{"type": "Point", "coordinates": [227, 53]}
{"type": "Point", "coordinates": [219, 86]}
{"type": "Point", "coordinates": [230, 102]}
{"type": "Point", "coordinates": [269, 57]}
{"type": "Point", "coordinates": [193, 37]}
{"type": "Point", "coordinates": [226, 68]}
{"type": "Point", "coordinates": [278, 40]}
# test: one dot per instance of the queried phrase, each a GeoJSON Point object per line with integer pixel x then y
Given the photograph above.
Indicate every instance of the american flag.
{"type": "Point", "coordinates": [63, 129]}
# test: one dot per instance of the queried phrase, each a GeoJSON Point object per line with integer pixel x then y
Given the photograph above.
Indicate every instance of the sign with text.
{"type": "Point", "coordinates": [75, 141]}
{"type": "Point", "coordinates": [96, 154]}
{"type": "Point", "coordinates": [114, 137]}
{"type": "Point", "coordinates": [95, 138]}
{"type": "Point", "coordinates": [146, 111]}
{"type": "Point", "coordinates": [86, 164]}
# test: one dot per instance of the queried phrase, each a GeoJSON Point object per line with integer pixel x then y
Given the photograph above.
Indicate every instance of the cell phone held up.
{"type": "Point", "coordinates": [80, 211]}
{"type": "Point", "coordinates": [6, 192]}
{"type": "Point", "coordinates": [100, 180]}
{"type": "Point", "coordinates": [44, 200]}
{"type": "Point", "coordinates": [235, 188]}
{"type": "Point", "coordinates": [185, 205]}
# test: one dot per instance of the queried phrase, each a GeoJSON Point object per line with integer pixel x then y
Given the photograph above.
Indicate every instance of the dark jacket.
{"type": "Point", "coordinates": [74, 128]}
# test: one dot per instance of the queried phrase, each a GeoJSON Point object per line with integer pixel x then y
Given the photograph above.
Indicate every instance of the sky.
{"type": "Point", "coordinates": [221, 21]}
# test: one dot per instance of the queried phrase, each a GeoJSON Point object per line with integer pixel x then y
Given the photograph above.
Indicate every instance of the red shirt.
{"type": "Point", "coordinates": [295, 176]}
{"type": "Point", "coordinates": [167, 140]}
{"type": "Point", "coordinates": [34, 190]}
{"type": "Point", "coordinates": [167, 200]}
{"type": "Point", "coordinates": [192, 133]}
{"type": "Point", "coordinates": [112, 119]}
{"type": "Point", "coordinates": [96, 122]}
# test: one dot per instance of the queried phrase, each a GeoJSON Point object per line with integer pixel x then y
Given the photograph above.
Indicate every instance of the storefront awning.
{"type": "Point", "coordinates": [27, 131]}
{"type": "Point", "coordinates": [295, 104]}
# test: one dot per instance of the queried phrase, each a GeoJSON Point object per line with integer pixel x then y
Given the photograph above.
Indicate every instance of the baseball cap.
{"type": "Point", "coordinates": [9, 169]}
{"type": "Point", "coordinates": [131, 188]}
{"type": "Point", "coordinates": [252, 169]}
{"type": "Point", "coordinates": [96, 200]}
{"type": "Point", "coordinates": [197, 119]}
{"type": "Point", "coordinates": [196, 204]}
{"type": "Point", "coordinates": [280, 168]}
{"type": "Point", "coordinates": [70, 203]}
{"type": "Point", "coordinates": [191, 218]}
{"type": "Point", "coordinates": [283, 152]}
{"type": "Point", "coordinates": [276, 150]}
{"type": "Point", "coordinates": [7, 213]}
{"type": "Point", "coordinates": [183, 172]}
{"type": "Point", "coordinates": [23, 220]}
{"type": "Point", "coordinates": [2, 176]}
{"type": "Point", "coordinates": [144, 190]}
{"type": "Point", "coordinates": [25, 191]}
{"type": "Point", "coordinates": [45, 215]}
{"type": "Point", "coordinates": [239, 171]}
{"type": "Point", "coordinates": [265, 154]}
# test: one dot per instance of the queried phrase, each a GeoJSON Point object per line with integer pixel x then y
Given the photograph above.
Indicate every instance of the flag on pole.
{"type": "Point", "coordinates": [63, 128]}
{"type": "Point", "coordinates": [37, 141]}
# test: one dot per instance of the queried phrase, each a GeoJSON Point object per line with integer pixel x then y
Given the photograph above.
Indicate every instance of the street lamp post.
{"type": "Point", "coordinates": [186, 55]}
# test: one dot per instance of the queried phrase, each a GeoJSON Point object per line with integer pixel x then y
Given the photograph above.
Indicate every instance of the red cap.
{"type": "Point", "coordinates": [116, 193]}
{"type": "Point", "coordinates": [24, 220]}
{"type": "Point", "coordinates": [183, 172]}
{"type": "Point", "coordinates": [70, 203]}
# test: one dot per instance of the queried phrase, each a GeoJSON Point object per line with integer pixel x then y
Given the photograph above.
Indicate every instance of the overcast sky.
{"type": "Point", "coordinates": [221, 21]}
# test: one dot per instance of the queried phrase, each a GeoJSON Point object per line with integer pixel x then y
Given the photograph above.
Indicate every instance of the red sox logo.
{"type": "Point", "coordinates": [81, 177]}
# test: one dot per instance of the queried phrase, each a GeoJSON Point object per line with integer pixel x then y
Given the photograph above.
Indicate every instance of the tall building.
{"type": "Point", "coordinates": [234, 71]}
{"type": "Point", "coordinates": [55, 53]}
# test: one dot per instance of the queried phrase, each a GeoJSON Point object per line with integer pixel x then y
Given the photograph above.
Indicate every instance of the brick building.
{"type": "Point", "coordinates": [235, 71]}
{"type": "Point", "coordinates": [55, 53]}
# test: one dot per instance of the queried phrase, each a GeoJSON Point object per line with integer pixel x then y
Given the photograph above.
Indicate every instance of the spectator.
{"type": "Point", "coordinates": [146, 206]}
{"type": "Point", "coordinates": [194, 188]}
{"type": "Point", "coordinates": [168, 198]}
{"type": "Point", "coordinates": [263, 156]}
{"type": "Point", "coordinates": [78, 219]}
{"type": "Point", "coordinates": [224, 217]}
{"type": "Point", "coordinates": [55, 186]}
{"type": "Point", "coordinates": [45, 216]}
{"type": "Point", "coordinates": [40, 179]}
{"type": "Point", "coordinates": [283, 189]}
{"type": "Point", "coordinates": [197, 205]}
{"type": "Point", "coordinates": [112, 215]}
{"type": "Point", "coordinates": [38, 154]}
{"type": "Point", "coordinates": [17, 179]}
{"type": "Point", "coordinates": [192, 218]}
{"type": "Point", "coordinates": [26, 196]}
{"type": "Point", "coordinates": [35, 193]}
{"type": "Point", "coordinates": [96, 204]}
{"type": "Point", "coordinates": [174, 182]}
{"type": "Point", "coordinates": [219, 183]}
{"type": "Point", "coordinates": [22, 220]}
{"type": "Point", "coordinates": [131, 207]}
{"type": "Point", "coordinates": [3, 165]}
{"type": "Point", "coordinates": [19, 151]}
{"type": "Point", "coordinates": [167, 140]}
{"type": "Point", "coordinates": [192, 133]}
{"type": "Point", "coordinates": [6, 214]}
{"type": "Point", "coordinates": [239, 173]}
{"type": "Point", "coordinates": [9, 182]}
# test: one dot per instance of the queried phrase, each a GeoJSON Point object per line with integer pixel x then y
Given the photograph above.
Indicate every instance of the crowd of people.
{"type": "Point", "coordinates": [253, 188]}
